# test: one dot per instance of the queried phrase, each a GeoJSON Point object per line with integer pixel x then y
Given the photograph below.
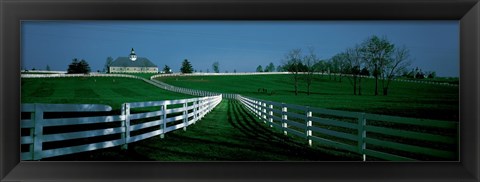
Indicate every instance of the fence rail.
{"type": "Point", "coordinates": [357, 132]}
{"type": "Point", "coordinates": [111, 130]}
{"type": "Point", "coordinates": [316, 73]}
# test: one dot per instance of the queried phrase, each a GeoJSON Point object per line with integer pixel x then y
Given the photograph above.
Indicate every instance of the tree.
{"type": "Point", "coordinates": [167, 69]}
{"type": "Point", "coordinates": [73, 67]}
{"type": "Point", "coordinates": [354, 63]}
{"type": "Point", "coordinates": [377, 51]}
{"type": "Point", "coordinates": [309, 61]}
{"type": "Point", "coordinates": [108, 62]}
{"type": "Point", "coordinates": [234, 71]}
{"type": "Point", "coordinates": [279, 68]}
{"type": "Point", "coordinates": [394, 66]}
{"type": "Point", "coordinates": [293, 64]}
{"type": "Point", "coordinates": [270, 67]}
{"type": "Point", "coordinates": [215, 67]}
{"type": "Point", "coordinates": [339, 64]}
{"type": "Point", "coordinates": [186, 67]}
{"type": "Point", "coordinates": [47, 68]}
{"type": "Point", "coordinates": [259, 68]}
{"type": "Point", "coordinates": [78, 67]}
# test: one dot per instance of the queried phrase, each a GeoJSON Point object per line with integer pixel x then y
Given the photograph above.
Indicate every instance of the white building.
{"type": "Point", "coordinates": [132, 64]}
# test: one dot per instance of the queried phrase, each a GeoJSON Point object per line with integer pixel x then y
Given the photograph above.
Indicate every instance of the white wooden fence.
{"type": "Point", "coordinates": [123, 128]}
{"type": "Point", "coordinates": [348, 130]}
{"type": "Point", "coordinates": [284, 73]}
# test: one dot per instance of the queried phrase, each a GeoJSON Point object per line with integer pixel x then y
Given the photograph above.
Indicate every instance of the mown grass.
{"type": "Point", "coordinates": [92, 90]}
{"type": "Point", "coordinates": [404, 99]}
{"type": "Point", "coordinates": [228, 133]}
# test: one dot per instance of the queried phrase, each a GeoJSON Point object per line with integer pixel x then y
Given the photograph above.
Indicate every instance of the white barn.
{"type": "Point", "coordinates": [132, 64]}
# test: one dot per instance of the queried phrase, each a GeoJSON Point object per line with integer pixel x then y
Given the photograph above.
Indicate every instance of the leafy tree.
{"type": "Point", "coordinates": [78, 66]}
{"type": "Point", "coordinates": [376, 52]}
{"type": "Point", "coordinates": [215, 67]}
{"type": "Point", "coordinates": [186, 67]}
{"type": "Point", "coordinates": [280, 68]}
{"type": "Point", "coordinates": [365, 72]}
{"type": "Point", "coordinates": [234, 71]}
{"type": "Point", "coordinates": [167, 69]}
{"type": "Point", "coordinates": [270, 67]}
{"type": "Point", "coordinates": [259, 68]}
{"type": "Point", "coordinates": [108, 62]}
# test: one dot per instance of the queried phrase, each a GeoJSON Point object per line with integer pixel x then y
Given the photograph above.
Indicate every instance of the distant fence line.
{"type": "Point", "coordinates": [63, 74]}
{"type": "Point", "coordinates": [121, 129]}
{"type": "Point", "coordinates": [286, 73]}
{"type": "Point", "coordinates": [42, 71]}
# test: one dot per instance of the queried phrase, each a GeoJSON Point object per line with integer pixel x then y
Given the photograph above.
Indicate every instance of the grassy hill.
{"type": "Point", "coordinates": [404, 99]}
{"type": "Point", "coordinates": [90, 90]}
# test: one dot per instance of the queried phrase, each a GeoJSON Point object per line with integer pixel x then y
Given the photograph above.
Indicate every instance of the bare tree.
{"type": "Point", "coordinates": [354, 63]}
{"type": "Point", "coordinates": [309, 61]}
{"type": "Point", "coordinates": [292, 63]}
{"type": "Point", "coordinates": [398, 63]}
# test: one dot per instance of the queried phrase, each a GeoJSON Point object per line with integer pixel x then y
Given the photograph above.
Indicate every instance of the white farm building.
{"type": "Point", "coordinates": [132, 64]}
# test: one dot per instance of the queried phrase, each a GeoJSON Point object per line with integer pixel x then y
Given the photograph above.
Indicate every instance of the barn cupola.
{"type": "Point", "coordinates": [133, 56]}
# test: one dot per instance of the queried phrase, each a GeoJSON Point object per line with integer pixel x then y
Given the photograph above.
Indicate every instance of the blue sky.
{"type": "Point", "coordinates": [240, 45]}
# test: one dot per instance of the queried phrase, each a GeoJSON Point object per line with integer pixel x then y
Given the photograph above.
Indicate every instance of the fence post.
{"type": "Point", "coordinates": [126, 124]}
{"type": "Point", "coordinates": [264, 112]}
{"type": "Point", "coordinates": [362, 134]}
{"type": "Point", "coordinates": [185, 117]}
{"type": "Point", "coordinates": [164, 120]}
{"type": "Point", "coordinates": [270, 113]}
{"type": "Point", "coordinates": [308, 129]}
{"type": "Point", "coordinates": [195, 105]}
{"type": "Point", "coordinates": [284, 118]}
{"type": "Point", "coordinates": [38, 133]}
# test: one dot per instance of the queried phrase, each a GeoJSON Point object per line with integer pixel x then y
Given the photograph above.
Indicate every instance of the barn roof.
{"type": "Point", "coordinates": [126, 62]}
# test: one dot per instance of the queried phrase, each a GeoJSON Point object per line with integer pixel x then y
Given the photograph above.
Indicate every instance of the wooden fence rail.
{"type": "Point", "coordinates": [98, 132]}
{"type": "Point", "coordinates": [358, 132]}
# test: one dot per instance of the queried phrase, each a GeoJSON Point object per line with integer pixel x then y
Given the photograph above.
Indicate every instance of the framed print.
{"type": "Point", "coordinates": [125, 90]}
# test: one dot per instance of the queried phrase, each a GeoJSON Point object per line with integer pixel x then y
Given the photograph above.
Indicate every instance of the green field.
{"type": "Point", "coordinates": [228, 133]}
{"type": "Point", "coordinates": [404, 99]}
{"type": "Point", "coordinates": [92, 90]}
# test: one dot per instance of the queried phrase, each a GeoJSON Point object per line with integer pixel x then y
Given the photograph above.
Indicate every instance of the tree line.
{"type": "Point", "coordinates": [375, 56]}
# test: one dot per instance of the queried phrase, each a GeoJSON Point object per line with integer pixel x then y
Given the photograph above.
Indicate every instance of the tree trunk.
{"type": "Point", "coordinates": [376, 79]}
{"type": "Point", "coordinates": [359, 86]}
{"type": "Point", "coordinates": [308, 89]}
{"type": "Point", "coordinates": [354, 85]}
{"type": "Point", "coordinates": [296, 90]}
{"type": "Point", "coordinates": [385, 91]}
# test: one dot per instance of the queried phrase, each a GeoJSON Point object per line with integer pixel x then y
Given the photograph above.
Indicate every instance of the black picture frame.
{"type": "Point", "coordinates": [14, 11]}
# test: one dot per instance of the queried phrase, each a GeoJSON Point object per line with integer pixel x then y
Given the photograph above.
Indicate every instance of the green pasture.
{"type": "Point", "coordinates": [404, 99]}
{"type": "Point", "coordinates": [92, 90]}
{"type": "Point", "coordinates": [228, 133]}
